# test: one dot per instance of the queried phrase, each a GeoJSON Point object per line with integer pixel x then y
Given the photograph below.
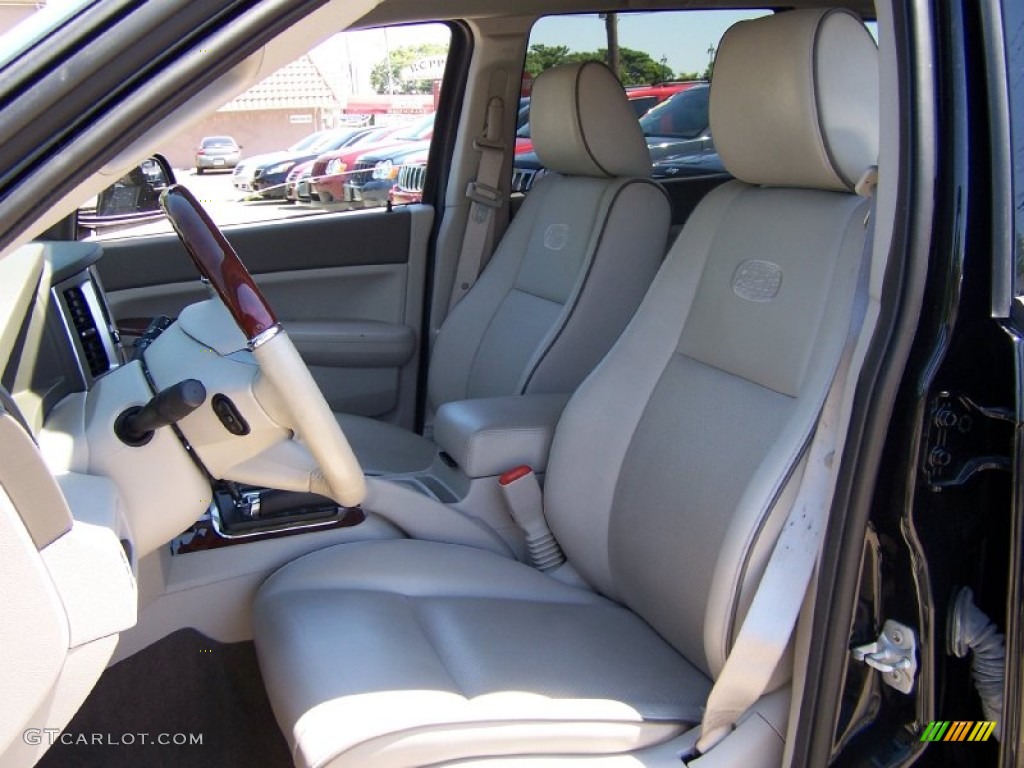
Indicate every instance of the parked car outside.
{"type": "Point", "coordinates": [688, 165]}
{"type": "Point", "coordinates": [219, 153]}
{"type": "Point", "coordinates": [679, 125]}
{"type": "Point", "coordinates": [296, 185]}
{"type": "Point", "coordinates": [410, 180]}
{"type": "Point", "coordinates": [242, 177]}
{"type": "Point", "coordinates": [644, 97]}
{"type": "Point", "coordinates": [268, 179]}
{"type": "Point", "coordinates": [375, 173]}
{"type": "Point", "coordinates": [332, 169]}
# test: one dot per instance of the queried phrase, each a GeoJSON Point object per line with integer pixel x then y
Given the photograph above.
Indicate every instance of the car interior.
{"type": "Point", "coordinates": [368, 495]}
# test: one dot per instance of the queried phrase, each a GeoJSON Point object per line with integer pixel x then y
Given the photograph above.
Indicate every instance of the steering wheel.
{"type": "Point", "coordinates": [339, 475]}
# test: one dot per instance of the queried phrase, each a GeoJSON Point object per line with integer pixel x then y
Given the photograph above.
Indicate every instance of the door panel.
{"type": "Point", "coordinates": [307, 242]}
{"type": "Point", "coordinates": [348, 286]}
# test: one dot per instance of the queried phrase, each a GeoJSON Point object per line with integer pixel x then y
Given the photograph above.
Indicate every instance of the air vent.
{"type": "Point", "coordinates": [84, 325]}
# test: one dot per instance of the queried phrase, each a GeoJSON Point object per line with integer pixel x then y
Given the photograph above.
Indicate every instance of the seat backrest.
{"type": "Point", "coordinates": [676, 461]}
{"type": "Point", "coordinates": [576, 260]}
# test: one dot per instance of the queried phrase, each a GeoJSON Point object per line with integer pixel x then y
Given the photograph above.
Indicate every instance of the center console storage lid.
{"type": "Point", "coordinates": [491, 435]}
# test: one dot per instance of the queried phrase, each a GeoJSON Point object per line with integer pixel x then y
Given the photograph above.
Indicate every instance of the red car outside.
{"type": "Point", "coordinates": [331, 169]}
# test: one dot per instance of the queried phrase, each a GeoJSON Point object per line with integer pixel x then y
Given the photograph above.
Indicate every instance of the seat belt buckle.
{"type": "Point", "coordinates": [525, 502]}
{"type": "Point", "coordinates": [485, 194]}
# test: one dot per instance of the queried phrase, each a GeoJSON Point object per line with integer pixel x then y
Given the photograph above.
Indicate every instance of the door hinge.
{"type": "Point", "coordinates": [894, 654]}
{"type": "Point", "coordinates": [964, 438]}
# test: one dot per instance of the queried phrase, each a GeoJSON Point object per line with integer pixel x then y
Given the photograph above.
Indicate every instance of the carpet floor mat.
{"type": "Point", "coordinates": [183, 702]}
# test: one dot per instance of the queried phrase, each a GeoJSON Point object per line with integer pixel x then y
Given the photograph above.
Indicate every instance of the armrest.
{"type": "Point", "coordinates": [491, 435]}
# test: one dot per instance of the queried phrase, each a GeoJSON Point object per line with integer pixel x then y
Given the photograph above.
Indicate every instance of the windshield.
{"type": "Point", "coordinates": [39, 22]}
{"type": "Point", "coordinates": [684, 115]}
{"type": "Point", "coordinates": [307, 142]}
{"type": "Point", "coordinates": [418, 131]}
{"type": "Point", "coordinates": [326, 142]}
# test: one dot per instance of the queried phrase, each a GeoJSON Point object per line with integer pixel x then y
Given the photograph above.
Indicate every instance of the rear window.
{"type": "Point", "coordinates": [218, 141]}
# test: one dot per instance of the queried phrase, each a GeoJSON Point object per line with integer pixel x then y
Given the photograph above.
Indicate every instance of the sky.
{"type": "Point", "coordinates": [351, 55]}
{"type": "Point", "coordinates": [682, 37]}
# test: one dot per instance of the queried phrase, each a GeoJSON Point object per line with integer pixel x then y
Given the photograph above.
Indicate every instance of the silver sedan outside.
{"type": "Point", "coordinates": [217, 153]}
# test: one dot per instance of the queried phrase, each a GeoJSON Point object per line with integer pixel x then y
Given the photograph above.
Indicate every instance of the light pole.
{"type": "Point", "coordinates": [611, 26]}
{"type": "Point", "coordinates": [387, 55]}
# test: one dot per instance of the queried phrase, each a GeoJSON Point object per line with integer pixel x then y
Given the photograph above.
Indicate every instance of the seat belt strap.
{"type": "Point", "coordinates": [769, 623]}
{"type": "Point", "coordinates": [486, 197]}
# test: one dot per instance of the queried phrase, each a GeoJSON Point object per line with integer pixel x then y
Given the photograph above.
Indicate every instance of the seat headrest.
{"type": "Point", "coordinates": [794, 100]}
{"type": "Point", "coordinates": [582, 124]}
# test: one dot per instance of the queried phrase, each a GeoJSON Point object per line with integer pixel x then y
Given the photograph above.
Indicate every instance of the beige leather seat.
{"type": "Point", "coordinates": [566, 277]}
{"type": "Point", "coordinates": [672, 470]}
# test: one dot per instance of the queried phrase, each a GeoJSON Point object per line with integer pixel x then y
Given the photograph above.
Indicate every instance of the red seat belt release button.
{"type": "Point", "coordinates": [514, 474]}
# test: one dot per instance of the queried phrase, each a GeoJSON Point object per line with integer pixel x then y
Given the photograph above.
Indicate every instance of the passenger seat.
{"type": "Point", "coordinates": [565, 279]}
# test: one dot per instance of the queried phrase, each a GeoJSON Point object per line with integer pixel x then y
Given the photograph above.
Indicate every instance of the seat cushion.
{"type": "Point", "coordinates": [384, 449]}
{"type": "Point", "coordinates": [411, 652]}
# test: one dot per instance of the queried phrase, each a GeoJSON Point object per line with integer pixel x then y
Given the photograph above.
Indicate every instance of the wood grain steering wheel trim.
{"type": "Point", "coordinates": [218, 262]}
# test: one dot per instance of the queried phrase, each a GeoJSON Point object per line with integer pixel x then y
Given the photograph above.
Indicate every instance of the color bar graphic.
{"type": "Point", "coordinates": [958, 730]}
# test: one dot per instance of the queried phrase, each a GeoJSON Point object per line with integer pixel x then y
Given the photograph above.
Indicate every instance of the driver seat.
{"type": "Point", "coordinates": [672, 471]}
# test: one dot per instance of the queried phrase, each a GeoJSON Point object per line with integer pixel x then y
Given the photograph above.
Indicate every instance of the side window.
{"type": "Point", "coordinates": [665, 61]}
{"type": "Point", "coordinates": [329, 132]}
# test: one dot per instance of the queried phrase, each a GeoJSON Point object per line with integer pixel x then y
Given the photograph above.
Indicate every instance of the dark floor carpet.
{"type": "Point", "coordinates": [184, 684]}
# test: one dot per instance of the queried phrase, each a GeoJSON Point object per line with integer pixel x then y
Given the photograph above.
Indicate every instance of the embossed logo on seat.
{"type": "Point", "coordinates": [556, 236]}
{"type": "Point", "coordinates": [757, 280]}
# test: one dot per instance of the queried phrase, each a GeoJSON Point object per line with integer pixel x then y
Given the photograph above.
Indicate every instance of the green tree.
{"type": "Point", "coordinates": [638, 68]}
{"type": "Point", "coordinates": [541, 57]}
{"type": "Point", "coordinates": [401, 58]}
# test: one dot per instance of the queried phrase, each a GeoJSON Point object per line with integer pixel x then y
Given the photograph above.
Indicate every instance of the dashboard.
{"type": "Point", "coordinates": [69, 377]}
{"type": "Point", "coordinates": [64, 339]}
{"type": "Point", "coordinates": [82, 395]}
